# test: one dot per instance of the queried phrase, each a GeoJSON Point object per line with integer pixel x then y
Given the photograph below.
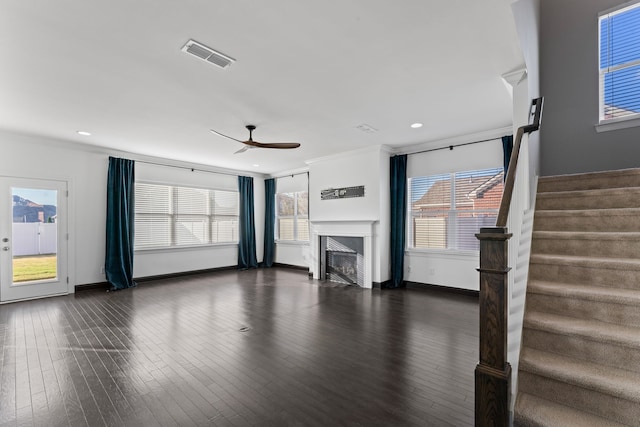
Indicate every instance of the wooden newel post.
{"type": "Point", "coordinates": [493, 372]}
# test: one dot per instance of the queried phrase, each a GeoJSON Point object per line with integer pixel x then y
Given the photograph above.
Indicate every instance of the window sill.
{"type": "Point", "coordinates": [292, 242]}
{"type": "Point", "coordinates": [185, 248]}
{"type": "Point", "coordinates": [441, 253]}
{"type": "Point", "coordinates": [619, 123]}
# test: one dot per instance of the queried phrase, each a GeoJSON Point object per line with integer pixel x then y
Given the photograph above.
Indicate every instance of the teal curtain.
{"type": "Point", "coordinates": [269, 222]}
{"type": "Point", "coordinates": [398, 218]}
{"type": "Point", "coordinates": [247, 245]}
{"type": "Point", "coordinates": [507, 147]}
{"type": "Point", "coordinates": [118, 265]}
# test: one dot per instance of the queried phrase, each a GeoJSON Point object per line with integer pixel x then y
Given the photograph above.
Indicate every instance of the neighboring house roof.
{"type": "Point", "coordinates": [467, 190]}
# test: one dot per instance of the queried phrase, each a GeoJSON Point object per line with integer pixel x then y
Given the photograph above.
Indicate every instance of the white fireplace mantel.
{"type": "Point", "coordinates": [344, 228]}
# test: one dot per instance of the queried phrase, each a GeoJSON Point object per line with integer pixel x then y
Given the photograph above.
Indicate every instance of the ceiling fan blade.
{"type": "Point", "coordinates": [243, 149]}
{"type": "Point", "coordinates": [281, 145]}
{"type": "Point", "coordinates": [222, 134]}
{"type": "Point", "coordinates": [250, 143]}
{"type": "Point", "coordinates": [272, 144]}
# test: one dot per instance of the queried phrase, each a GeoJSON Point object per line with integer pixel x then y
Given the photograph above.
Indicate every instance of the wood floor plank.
{"type": "Point", "coordinates": [240, 348]}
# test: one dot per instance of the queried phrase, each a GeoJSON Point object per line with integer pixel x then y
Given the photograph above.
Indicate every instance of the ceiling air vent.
{"type": "Point", "coordinates": [207, 54]}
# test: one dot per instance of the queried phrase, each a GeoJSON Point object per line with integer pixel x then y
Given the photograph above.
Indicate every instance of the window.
{"type": "Point", "coordinates": [292, 216]}
{"type": "Point", "coordinates": [168, 216]}
{"type": "Point", "coordinates": [447, 210]}
{"type": "Point", "coordinates": [620, 63]}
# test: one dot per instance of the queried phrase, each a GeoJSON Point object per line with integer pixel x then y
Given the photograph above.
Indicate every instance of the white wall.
{"type": "Point", "coordinates": [86, 173]}
{"type": "Point", "coordinates": [569, 83]}
{"type": "Point", "coordinates": [346, 170]}
{"type": "Point", "coordinates": [367, 167]}
{"type": "Point", "coordinates": [526, 14]}
{"type": "Point", "coordinates": [167, 261]}
{"type": "Point", "coordinates": [449, 268]}
{"type": "Point", "coordinates": [85, 168]}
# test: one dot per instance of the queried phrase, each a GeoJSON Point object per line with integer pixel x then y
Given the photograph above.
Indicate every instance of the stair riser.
{"type": "Point", "coordinates": [588, 183]}
{"type": "Point", "coordinates": [603, 405]}
{"type": "Point", "coordinates": [611, 223]}
{"type": "Point", "coordinates": [627, 199]}
{"type": "Point", "coordinates": [623, 279]}
{"type": "Point", "coordinates": [623, 248]}
{"type": "Point", "coordinates": [607, 354]}
{"type": "Point", "coordinates": [620, 314]}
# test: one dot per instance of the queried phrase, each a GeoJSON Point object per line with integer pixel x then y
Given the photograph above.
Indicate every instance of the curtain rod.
{"type": "Point", "coordinates": [291, 175]}
{"type": "Point", "coordinates": [451, 147]}
{"type": "Point", "coordinates": [186, 167]}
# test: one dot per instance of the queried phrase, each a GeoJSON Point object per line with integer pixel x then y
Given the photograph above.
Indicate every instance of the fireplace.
{"type": "Point", "coordinates": [342, 259]}
{"type": "Point", "coordinates": [342, 251]}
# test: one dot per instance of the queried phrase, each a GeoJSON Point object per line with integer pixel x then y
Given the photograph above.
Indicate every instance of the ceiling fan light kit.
{"type": "Point", "coordinates": [250, 143]}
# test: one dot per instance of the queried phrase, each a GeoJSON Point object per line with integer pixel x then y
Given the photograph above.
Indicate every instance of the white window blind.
{"type": "Point", "coordinates": [620, 63]}
{"type": "Point", "coordinates": [292, 216]}
{"type": "Point", "coordinates": [447, 210]}
{"type": "Point", "coordinates": [168, 216]}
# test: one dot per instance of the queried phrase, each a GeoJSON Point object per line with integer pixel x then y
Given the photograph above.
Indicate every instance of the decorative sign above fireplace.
{"type": "Point", "coordinates": [342, 193]}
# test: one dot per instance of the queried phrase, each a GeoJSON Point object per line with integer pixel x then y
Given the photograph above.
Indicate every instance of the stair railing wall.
{"type": "Point", "coordinates": [520, 224]}
{"type": "Point", "coordinates": [493, 372]}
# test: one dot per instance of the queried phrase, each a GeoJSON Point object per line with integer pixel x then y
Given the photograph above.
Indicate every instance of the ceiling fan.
{"type": "Point", "coordinates": [250, 143]}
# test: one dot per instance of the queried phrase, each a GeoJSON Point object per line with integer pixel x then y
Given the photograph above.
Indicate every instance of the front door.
{"type": "Point", "coordinates": [33, 238]}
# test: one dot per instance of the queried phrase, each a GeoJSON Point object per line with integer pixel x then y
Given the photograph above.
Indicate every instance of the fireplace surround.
{"type": "Point", "coordinates": [320, 230]}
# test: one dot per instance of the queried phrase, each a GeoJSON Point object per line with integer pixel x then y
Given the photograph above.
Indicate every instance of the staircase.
{"type": "Point", "coordinates": [580, 358]}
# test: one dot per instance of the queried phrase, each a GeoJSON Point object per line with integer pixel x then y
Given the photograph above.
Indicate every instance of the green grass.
{"type": "Point", "coordinates": [37, 267]}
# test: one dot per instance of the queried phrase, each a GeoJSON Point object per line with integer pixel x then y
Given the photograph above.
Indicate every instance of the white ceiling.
{"type": "Point", "coordinates": [305, 71]}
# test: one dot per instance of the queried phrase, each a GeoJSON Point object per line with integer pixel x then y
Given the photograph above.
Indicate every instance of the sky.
{"type": "Point", "coordinates": [40, 196]}
{"type": "Point", "coordinates": [620, 44]}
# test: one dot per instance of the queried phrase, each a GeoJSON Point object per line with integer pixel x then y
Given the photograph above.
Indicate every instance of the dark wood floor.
{"type": "Point", "coordinates": [173, 352]}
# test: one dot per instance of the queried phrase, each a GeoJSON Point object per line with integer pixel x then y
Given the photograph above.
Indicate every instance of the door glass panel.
{"type": "Point", "coordinates": [35, 235]}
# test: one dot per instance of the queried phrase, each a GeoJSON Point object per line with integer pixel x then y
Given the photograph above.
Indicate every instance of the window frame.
{"type": "Point", "coordinates": [631, 120]}
{"type": "Point", "coordinates": [451, 239]}
{"type": "Point", "coordinates": [295, 217]}
{"type": "Point", "coordinates": [173, 217]}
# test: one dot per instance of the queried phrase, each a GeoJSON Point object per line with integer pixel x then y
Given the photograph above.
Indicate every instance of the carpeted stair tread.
{"type": "Point", "coordinates": [601, 379]}
{"type": "Point", "coordinates": [625, 197]}
{"type": "Point", "coordinates": [594, 330]}
{"type": "Point", "coordinates": [586, 292]}
{"type": "Point", "coordinates": [534, 411]}
{"type": "Point", "coordinates": [592, 180]}
{"type": "Point", "coordinates": [587, 235]}
{"type": "Point", "coordinates": [598, 192]}
{"type": "Point", "coordinates": [588, 212]}
{"type": "Point", "coordinates": [604, 219]}
{"type": "Point", "coordinates": [590, 262]}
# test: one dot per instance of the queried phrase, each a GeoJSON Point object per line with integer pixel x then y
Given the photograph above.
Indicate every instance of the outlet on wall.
{"type": "Point", "coordinates": [101, 270]}
{"type": "Point", "coordinates": [432, 271]}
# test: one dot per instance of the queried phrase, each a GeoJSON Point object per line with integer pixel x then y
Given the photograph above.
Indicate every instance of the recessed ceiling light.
{"type": "Point", "coordinates": [84, 133]}
{"type": "Point", "coordinates": [255, 165]}
{"type": "Point", "coordinates": [416, 125]}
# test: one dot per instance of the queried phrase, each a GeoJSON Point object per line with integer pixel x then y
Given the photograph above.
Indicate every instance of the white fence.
{"type": "Point", "coordinates": [34, 238]}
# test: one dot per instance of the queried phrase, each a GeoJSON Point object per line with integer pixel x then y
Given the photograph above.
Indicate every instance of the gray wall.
{"type": "Point", "coordinates": [569, 83]}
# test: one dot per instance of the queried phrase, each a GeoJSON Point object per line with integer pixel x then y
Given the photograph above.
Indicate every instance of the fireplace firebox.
{"type": "Point", "coordinates": [343, 260]}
